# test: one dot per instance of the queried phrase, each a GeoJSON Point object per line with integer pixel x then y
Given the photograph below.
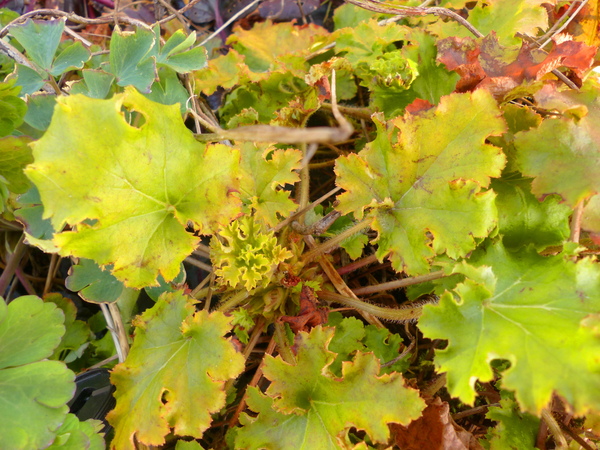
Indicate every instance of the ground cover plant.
{"type": "Point", "coordinates": [372, 226]}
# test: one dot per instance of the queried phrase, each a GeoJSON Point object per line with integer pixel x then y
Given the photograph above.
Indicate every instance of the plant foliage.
{"type": "Point", "coordinates": [213, 203]}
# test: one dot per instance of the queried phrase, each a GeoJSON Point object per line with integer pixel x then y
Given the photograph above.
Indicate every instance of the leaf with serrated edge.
{"type": "Point", "coordinates": [263, 180]}
{"type": "Point", "coordinates": [318, 409]}
{"type": "Point", "coordinates": [423, 174]}
{"type": "Point", "coordinates": [142, 185]}
{"type": "Point", "coordinates": [563, 157]}
{"type": "Point", "coordinates": [527, 309]}
{"type": "Point", "coordinates": [174, 374]}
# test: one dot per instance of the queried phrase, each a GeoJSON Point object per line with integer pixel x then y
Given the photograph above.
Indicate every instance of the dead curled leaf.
{"type": "Point", "coordinates": [434, 430]}
{"type": "Point", "coordinates": [484, 63]}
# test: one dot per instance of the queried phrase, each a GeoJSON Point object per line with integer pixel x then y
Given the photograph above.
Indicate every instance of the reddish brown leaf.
{"type": "Point", "coordinates": [310, 315]}
{"type": "Point", "coordinates": [434, 430]}
{"type": "Point", "coordinates": [486, 64]}
{"type": "Point", "coordinates": [418, 105]}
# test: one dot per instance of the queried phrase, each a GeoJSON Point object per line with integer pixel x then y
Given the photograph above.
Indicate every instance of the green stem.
{"type": "Point", "coordinates": [394, 314]}
{"type": "Point", "coordinates": [396, 284]}
{"type": "Point", "coordinates": [304, 187]}
{"type": "Point", "coordinates": [232, 301]}
{"type": "Point", "coordinates": [334, 241]}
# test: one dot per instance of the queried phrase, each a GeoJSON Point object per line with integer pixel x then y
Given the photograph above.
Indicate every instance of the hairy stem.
{"type": "Point", "coordinates": [394, 314]}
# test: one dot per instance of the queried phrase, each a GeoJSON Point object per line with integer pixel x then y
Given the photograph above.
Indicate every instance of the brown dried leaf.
{"type": "Point", "coordinates": [434, 430]}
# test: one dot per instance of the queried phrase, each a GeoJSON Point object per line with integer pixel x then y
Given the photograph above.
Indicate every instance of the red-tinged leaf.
{"type": "Point", "coordinates": [487, 64]}
{"type": "Point", "coordinates": [310, 315]}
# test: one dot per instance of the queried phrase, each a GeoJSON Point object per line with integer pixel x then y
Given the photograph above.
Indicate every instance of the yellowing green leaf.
{"type": "Point", "coordinates": [562, 155]}
{"type": "Point", "coordinates": [420, 181]}
{"type": "Point", "coordinates": [265, 171]}
{"type": "Point", "coordinates": [174, 374]}
{"type": "Point", "coordinates": [526, 309]}
{"type": "Point", "coordinates": [317, 409]}
{"type": "Point", "coordinates": [131, 191]}
{"type": "Point", "coordinates": [283, 46]}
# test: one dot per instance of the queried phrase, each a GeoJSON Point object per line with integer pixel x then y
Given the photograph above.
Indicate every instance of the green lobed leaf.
{"type": "Point", "coordinates": [77, 332]}
{"type": "Point", "coordinates": [527, 309]}
{"type": "Point", "coordinates": [15, 154]}
{"type": "Point", "coordinates": [95, 84]}
{"type": "Point", "coordinates": [515, 429]}
{"type": "Point", "coordinates": [174, 374]}
{"type": "Point", "coordinates": [562, 156]}
{"type": "Point", "coordinates": [28, 79]}
{"type": "Point", "coordinates": [525, 220]}
{"type": "Point", "coordinates": [130, 60]}
{"type": "Point", "coordinates": [40, 39]}
{"type": "Point", "coordinates": [132, 191]}
{"type": "Point", "coordinates": [177, 54]}
{"type": "Point", "coordinates": [76, 435]}
{"type": "Point", "coordinates": [94, 284]}
{"type": "Point", "coordinates": [33, 393]}
{"type": "Point", "coordinates": [422, 175]}
{"type": "Point", "coordinates": [265, 171]}
{"type": "Point", "coordinates": [72, 57]}
{"type": "Point", "coordinates": [168, 90]}
{"type": "Point", "coordinates": [12, 108]}
{"type": "Point", "coordinates": [318, 408]}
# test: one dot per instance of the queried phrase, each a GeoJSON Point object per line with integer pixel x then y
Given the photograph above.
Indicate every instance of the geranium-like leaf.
{"type": "Point", "coordinates": [40, 39]}
{"type": "Point", "coordinates": [174, 374]}
{"type": "Point", "coordinates": [294, 43]}
{"type": "Point", "coordinates": [527, 309]}
{"type": "Point", "coordinates": [562, 154]}
{"type": "Point", "coordinates": [317, 409]}
{"type": "Point", "coordinates": [515, 429]}
{"type": "Point", "coordinates": [132, 191]}
{"type": "Point", "coordinates": [524, 220]}
{"type": "Point", "coordinates": [15, 154]}
{"type": "Point", "coordinates": [12, 108]}
{"type": "Point", "coordinates": [423, 175]}
{"type": "Point", "coordinates": [94, 284]}
{"type": "Point", "coordinates": [76, 435]}
{"type": "Point", "coordinates": [33, 393]}
{"type": "Point", "coordinates": [130, 60]}
{"type": "Point", "coordinates": [265, 171]}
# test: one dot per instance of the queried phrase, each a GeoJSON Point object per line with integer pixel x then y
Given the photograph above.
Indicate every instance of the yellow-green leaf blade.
{"type": "Point", "coordinates": [131, 190]}
{"type": "Point", "coordinates": [174, 374]}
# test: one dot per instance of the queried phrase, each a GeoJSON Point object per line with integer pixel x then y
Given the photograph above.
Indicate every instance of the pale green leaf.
{"type": "Point", "coordinates": [40, 39]}
{"type": "Point", "coordinates": [95, 84]}
{"type": "Point", "coordinates": [318, 409]}
{"type": "Point", "coordinates": [420, 181]}
{"type": "Point", "coordinates": [129, 57]}
{"type": "Point", "coordinates": [77, 332]}
{"type": "Point", "coordinates": [131, 192]}
{"type": "Point", "coordinates": [174, 374]}
{"type": "Point", "coordinates": [71, 58]}
{"type": "Point", "coordinates": [527, 309]}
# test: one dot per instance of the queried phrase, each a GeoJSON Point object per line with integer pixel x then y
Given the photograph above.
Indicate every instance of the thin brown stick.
{"type": "Point", "coordinates": [576, 222]}
{"type": "Point", "coordinates": [367, 260]}
{"type": "Point", "coordinates": [72, 18]}
{"type": "Point", "coordinates": [13, 262]}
